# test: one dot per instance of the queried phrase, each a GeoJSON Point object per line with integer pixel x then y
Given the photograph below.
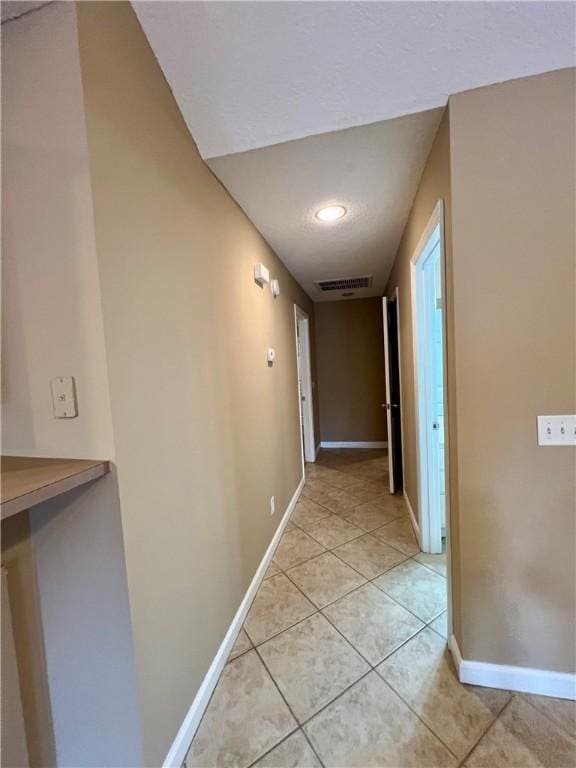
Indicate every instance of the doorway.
{"type": "Point", "coordinates": [304, 365]}
{"type": "Point", "coordinates": [428, 292]}
{"type": "Point", "coordinates": [391, 323]}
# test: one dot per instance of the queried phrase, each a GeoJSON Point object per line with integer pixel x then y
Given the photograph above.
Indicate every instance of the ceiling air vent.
{"type": "Point", "coordinates": [344, 283]}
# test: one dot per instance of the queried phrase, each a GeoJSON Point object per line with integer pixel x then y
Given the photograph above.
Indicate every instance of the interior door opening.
{"type": "Point", "coordinates": [390, 317]}
{"type": "Point", "coordinates": [304, 365]}
{"type": "Point", "coordinates": [427, 267]}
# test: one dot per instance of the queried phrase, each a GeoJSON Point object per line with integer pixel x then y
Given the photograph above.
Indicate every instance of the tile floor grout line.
{"type": "Point", "coordinates": [285, 629]}
{"type": "Point", "coordinates": [320, 611]}
{"type": "Point", "coordinates": [336, 545]}
{"type": "Point", "coordinates": [328, 605]}
{"type": "Point", "coordinates": [373, 581]}
{"type": "Point", "coordinates": [312, 747]}
{"type": "Point", "coordinates": [368, 581]}
{"type": "Point", "coordinates": [488, 728]}
{"type": "Point", "coordinates": [332, 701]}
{"type": "Point", "coordinates": [521, 695]}
{"type": "Point", "coordinates": [414, 557]}
{"type": "Point", "coordinates": [387, 656]}
{"type": "Point", "coordinates": [424, 723]}
{"type": "Point", "coordinates": [296, 719]}
{"type": "Point", "coordinates": [364, 533]}
{"type": "Point", "coordinates": [349, 509]}
{"type": "Point", "coordinates": [368, 578]}
{"type": "Point", "coordinates": [275, 684]}
{"type": "Point", "coordinates": [336, 489]}
{"type": "Point", "coordinates": [371, 667]}
{"type": "Point", "coordinates": [285, 738]}
{"type": "Point", "coordinates": [332, 601]}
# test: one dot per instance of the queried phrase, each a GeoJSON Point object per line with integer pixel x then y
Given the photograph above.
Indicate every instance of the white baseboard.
{"type": "Point", "coordinates": [358, 444]}
{"type": "Point", "coordinates": [413, 519]}
{"type": "Point", "coordinates": [181, 743]}
{"type": "Point", "coordinates": [544, 682]}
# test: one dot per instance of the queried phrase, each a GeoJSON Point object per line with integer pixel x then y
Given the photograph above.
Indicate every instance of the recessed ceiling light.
{"type": "Point", "coordinates": [331, 213]}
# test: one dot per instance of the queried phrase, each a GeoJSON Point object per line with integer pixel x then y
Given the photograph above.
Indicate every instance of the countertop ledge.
{"type": "Point", "coordinates": [27, 481]}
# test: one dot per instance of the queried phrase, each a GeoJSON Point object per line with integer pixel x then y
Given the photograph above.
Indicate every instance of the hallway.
{"type": "Point", "coordinates": [342, 660]}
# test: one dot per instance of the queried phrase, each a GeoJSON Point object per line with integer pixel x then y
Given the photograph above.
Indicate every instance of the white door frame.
{"type": "Point", "coordinates": [305, 401]}
{"type": "Point", "coordinates": [398, 341]}
{"type": "Point", "coordinates": [430, 524]}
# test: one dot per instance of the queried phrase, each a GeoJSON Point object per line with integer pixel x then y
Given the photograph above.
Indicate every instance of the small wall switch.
{"type": "Point", "coordinates": [272, 505]}
{"type": "Point", "coordinates": [261, 274]}
{"type": "Point", "coordinates": [275, 288]}
{"type": "Point", "coordinates": [64, 397]}
{"type": "Point", "coordinates": [271, 355]}
{"type": "Point", "coordinates": [557, 430]}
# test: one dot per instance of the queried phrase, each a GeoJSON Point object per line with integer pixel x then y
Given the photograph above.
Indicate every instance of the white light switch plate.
{"type": "Point", "coordinates": [64, 397]}
{"type": "Point", "coordinates": [557, 430]}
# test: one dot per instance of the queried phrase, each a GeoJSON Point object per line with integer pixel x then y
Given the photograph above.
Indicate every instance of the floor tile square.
{"type": "Point", "coordinates": [332, 531]}
{"type": "Point", "coordinates": [369, 556]}
{"type": "Point", "coordinates": [399, 534]}
{"type": "Point", "coordinates": [226, 736]}
{"type": "Point", "coordinates": [422, 673]}
{"type": "Point", "coordinates": [293, 752]}
{"type": "Point", "coordinates": [369, 726]}
{"type": "Point", "coordinates": [435, 562]}
{"type": "Point", "coordinates": [374, 514]}
{"type": "Point", "coordinates": [440, 625]}
{"type": "Point", "coordinates": [317, 471]}
{"type": "Point", "coordinates": [311, 664]}
{"type": "Point", "coordinates": [296, 547]}
{"type": "Point", "coordinates": [241, 645]}
{"type": "Point", "coordinates": [561, 711]}
{"type": "Point", "coordinates": [277, 605]}
{"type": "Point", "coordinates": [373, 623]}
{"type": "Point", "coordinates": [339, 479]}
{"type": "Point", "coordinates": [367, 490]}
{"type": "Point", "coordinates": [337, 500]}
{"type": "Point", "coordinates": [523, 737]}
{"type": "Point", "coordinates": [370, 469]}
{"type": "Point", "coordinates": [313, 487]}
{"type": "Point", "coordinates": [417, 588]}
{"type": "Point", "coordinates": [325, 579]}
{"type": "Point", "coordinates": [307, 512]}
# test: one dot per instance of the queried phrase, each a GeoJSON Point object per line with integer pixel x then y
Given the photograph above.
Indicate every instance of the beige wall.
{"type": "Point", "coordinates": [52, 325]}
{"type": "Point", "coordinates": [503, 163]}
{"type": "Point", "coordinates": [434, 186]}
{"type": "Point", "coordinates": [513, 160]}
{"type": "Point", "coordinates": [350, 362]}
{"type": "Point", "coordinates": [205, 431]}
{"type": "Point", "coordinates": [51, 314]}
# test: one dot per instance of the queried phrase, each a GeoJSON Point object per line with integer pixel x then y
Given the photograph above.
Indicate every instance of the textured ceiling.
{"type": "Point", "coordinates": [250, 74]}
{"type": "Point", "coordinates": [254, 79]}
{"type": "Point", "coordinates": [372, 170]}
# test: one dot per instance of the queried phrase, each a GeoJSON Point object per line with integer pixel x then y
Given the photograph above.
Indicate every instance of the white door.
{"type": "Point", "coordinates": [388, 403]}
{"type": "Point", "coordinates": [429, 364]}
{"type": "Point", "coordinates": [304, 366]}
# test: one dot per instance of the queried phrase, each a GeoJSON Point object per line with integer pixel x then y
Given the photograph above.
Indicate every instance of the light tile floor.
{"type": "Point", "coordinates": [342, 660]}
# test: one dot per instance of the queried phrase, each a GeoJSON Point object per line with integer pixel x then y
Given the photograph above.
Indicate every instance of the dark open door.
{"type": "Point", "coordinates": [392, 404]}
